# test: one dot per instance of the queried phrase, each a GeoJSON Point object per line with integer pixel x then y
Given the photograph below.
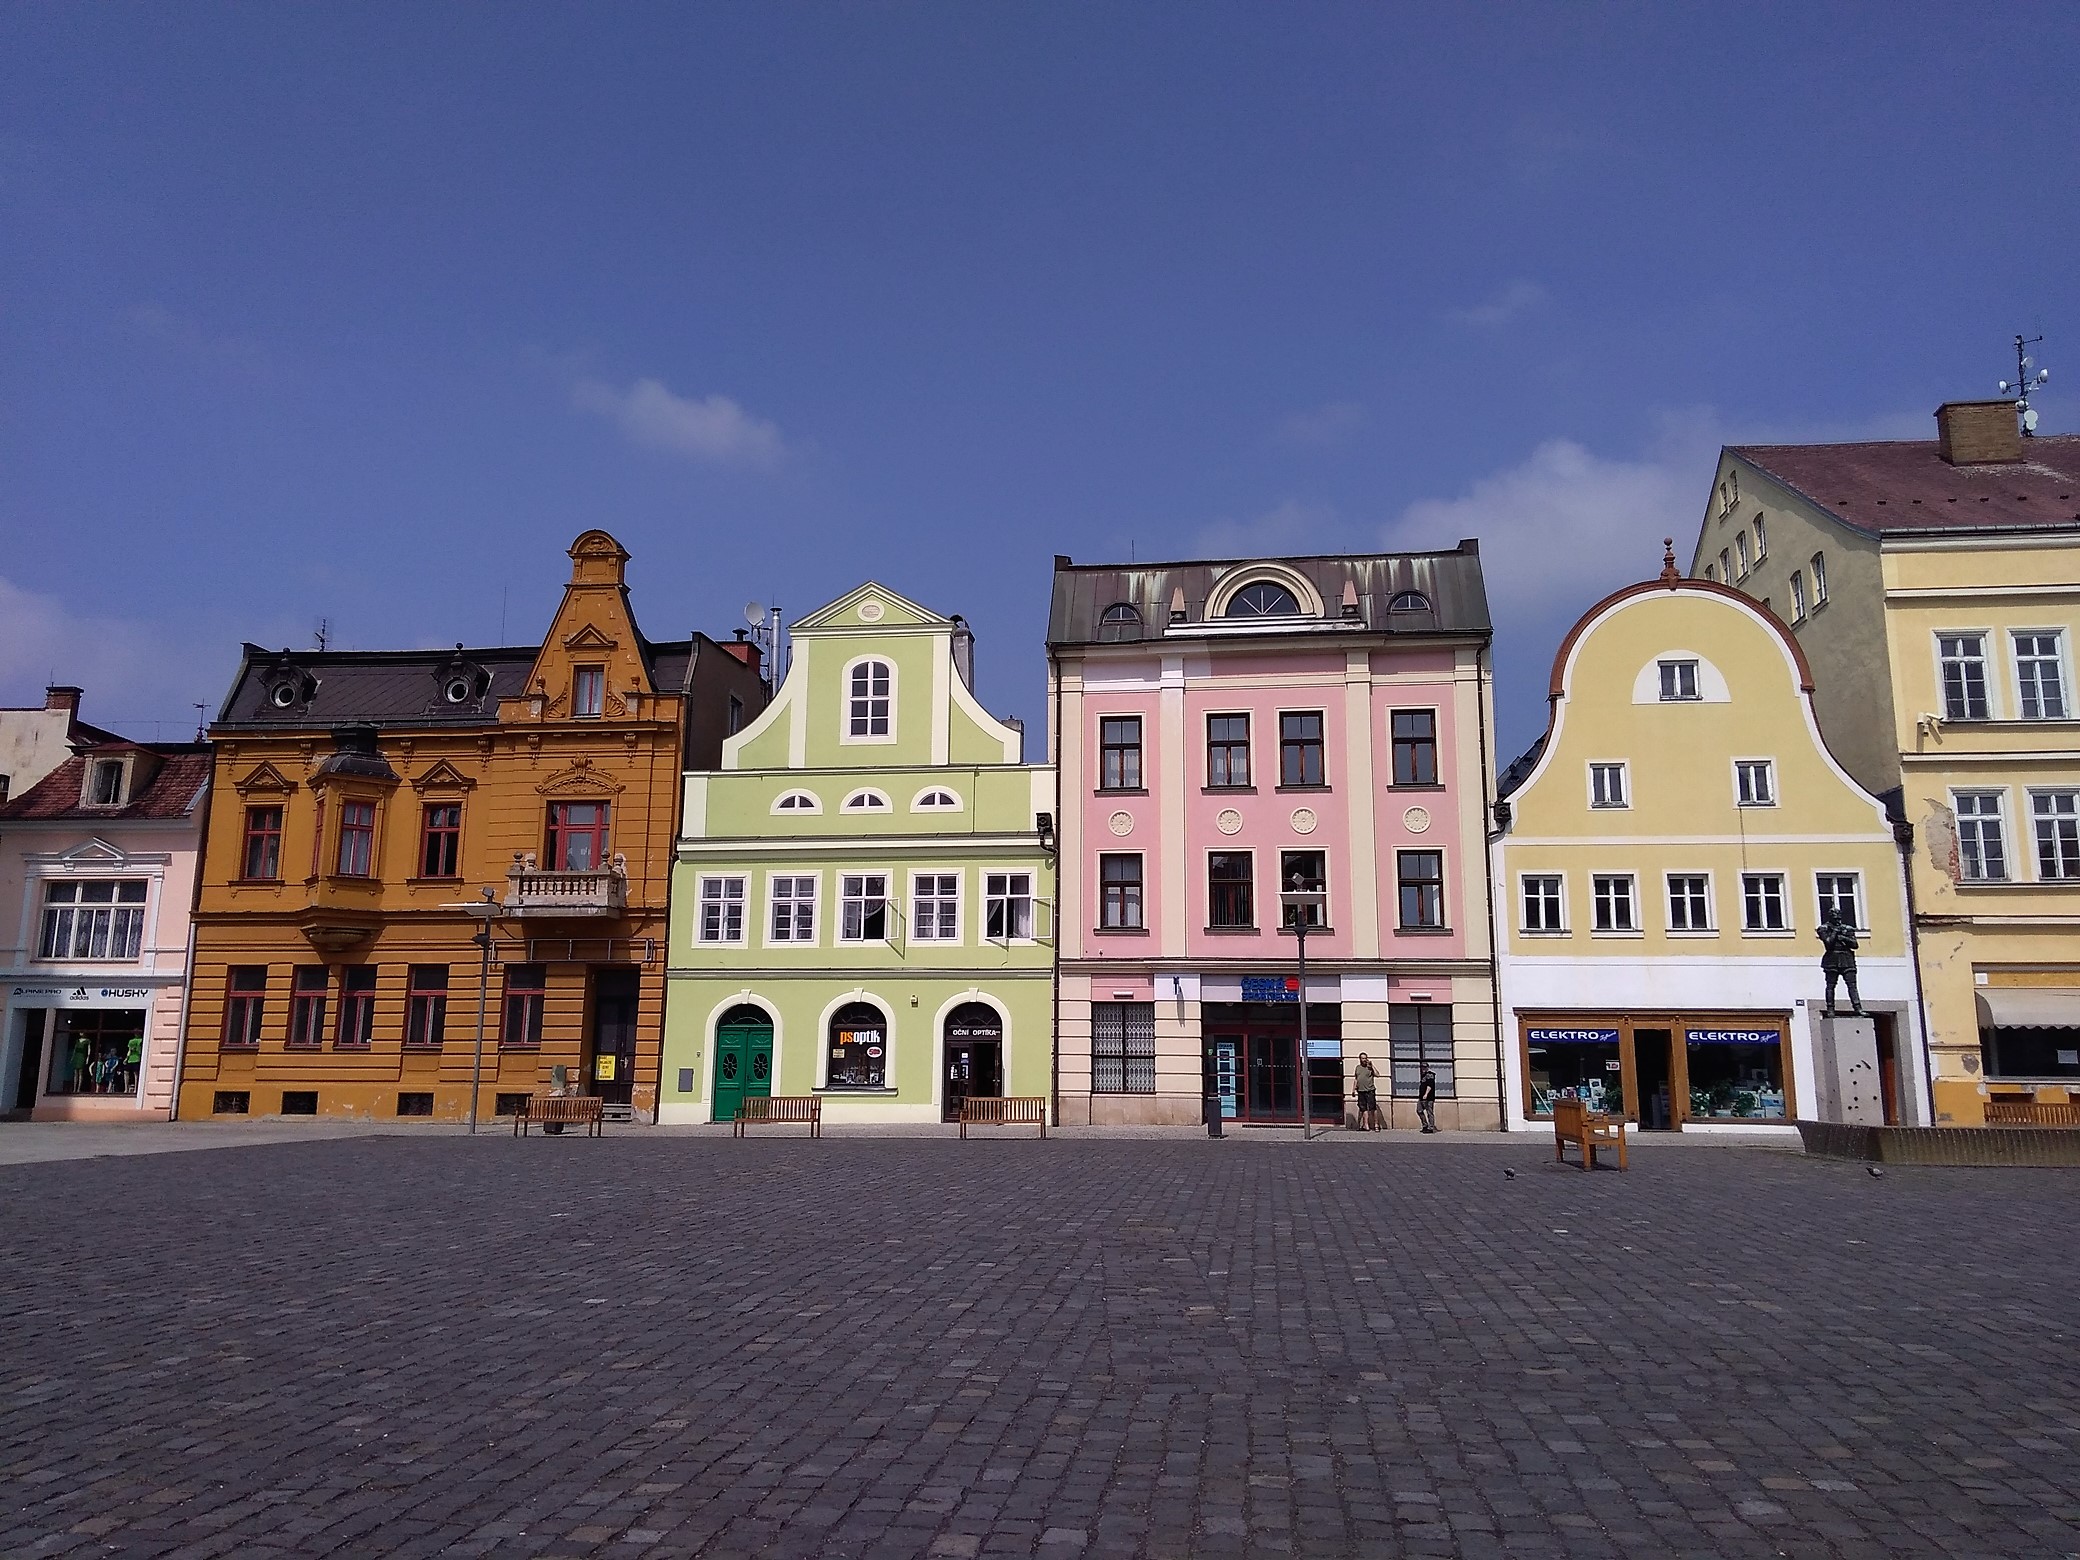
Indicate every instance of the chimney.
{"type": "Point", "coordinates": [964, 651]}
{"type": "Point", "coordinates": [1978, 433]}
{"type": "Point", "coordinates": [743, 649]}
{"type": "Point", "coordinates": [60, 697]}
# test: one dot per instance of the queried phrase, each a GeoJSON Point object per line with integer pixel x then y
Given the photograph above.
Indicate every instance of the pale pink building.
{"type": "Point", "coordinates": [97, 877]}
{"type": "Point", "coordinates": [1220, 727]}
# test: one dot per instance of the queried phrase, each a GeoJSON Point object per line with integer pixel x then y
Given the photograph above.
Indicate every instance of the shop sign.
{"type": "Point", "coordinates": [603, 1068]}
{"type": "Point", "coordinates": [1324, 1050]}
{"type": "Point", "coordinates": [59, 995]}
{"type": "Point", "coordinates": [1732, 1036]}
{"type": "Point", "coordinates": [1271, 988]}
{"type": "Point", "coordinates": [1572, 1036]}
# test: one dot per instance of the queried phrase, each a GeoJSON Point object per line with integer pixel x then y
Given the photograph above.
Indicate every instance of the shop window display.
{"type": "Point", "coordinates": [97, 1053]}
{"type": "Point", "coordinates": [858, 1048]}
{"type": "Point", "coordinates": [1736, 1074]}
{"type": "Point", "coordinates": [1577, 1063]}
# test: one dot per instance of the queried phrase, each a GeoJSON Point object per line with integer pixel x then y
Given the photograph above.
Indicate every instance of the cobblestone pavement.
{"type": "Point", "coordinates": [675, 1346]}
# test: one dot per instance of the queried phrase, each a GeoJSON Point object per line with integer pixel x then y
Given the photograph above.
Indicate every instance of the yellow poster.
{"type": "Point", "coordinates": [603, 1068]}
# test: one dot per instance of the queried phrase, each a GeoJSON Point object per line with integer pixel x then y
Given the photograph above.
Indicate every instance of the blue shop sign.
{"type": "Point", "coordinates": [1271, 988]}
{"type": "Point", "coordinates": [1732, 1036]}
{"type": "Point", "coordinates": [1572, 1036]}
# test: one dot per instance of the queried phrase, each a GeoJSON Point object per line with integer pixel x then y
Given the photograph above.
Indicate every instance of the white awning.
{"type": "Point", "coordinates": [2029, 1007]}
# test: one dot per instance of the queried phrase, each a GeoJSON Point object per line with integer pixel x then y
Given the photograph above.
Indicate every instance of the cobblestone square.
{"type": "Point", "coordinates": [650, 1344]}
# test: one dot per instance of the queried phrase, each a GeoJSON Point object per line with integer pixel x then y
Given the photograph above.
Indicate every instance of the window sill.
{"type": "Point", "coordinates": [303, 1047]}
{"type": "Point", "coordinates": [1426, 785]}
{"type": "Point", "coordinates": [1227, 790]}
{"type": "Point", "coordinates": [1784, 935]}
{"type": "Point", "coordinates": [1116, 1093]}
{"type": "Point", "coordinates": [273, 882]}
{"type": "Point", "coordinates": [1318, 931]}
{"type": "Point", "coordinates": [1231, 931]}
{"type": "Point", "coordinates": [1755, 806]}
{"type": "Point", "coordinates": [717, 942]}
{"type": "Point", "coordinates": [1620, 932]}
{"type": "Point", "coordinates": [230, 1048]}
{"type": "Point", "coordinates": [1692, 934]}
{"type": "Point", "coordinates": [860, 1089]}
{"type": "Point", "coordinates": [1422, 931]}
{"type": "Point", "coordinates": [1610, 807]}
{"type": "Point", "coordinates": [433, 882]}
{"type": "Point", "coordinates": [1321, 790]}
{"type": "Point", "coordinates": [1544, 931]}
{"type": "Point", "coordinates": [1119, 931]}
{"type": "Point", "coordinates": [1128, 790]}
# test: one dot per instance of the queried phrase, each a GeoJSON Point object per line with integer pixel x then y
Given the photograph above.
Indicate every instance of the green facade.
{"type": "Point", "coordinates": [862, 908]}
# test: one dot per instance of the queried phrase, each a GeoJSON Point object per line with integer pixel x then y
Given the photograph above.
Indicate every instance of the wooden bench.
{"type": "Point", "coordinates": [1011, 1110]}
{"type": "Point", "coordinates": [2031, 1113]}
{"type": "Point", "coordinates": [564, 1110]}
{"type": "Point", "coordinates": [1574, 1122]}
{"type": "Point", "coordinates": [774, 1109]}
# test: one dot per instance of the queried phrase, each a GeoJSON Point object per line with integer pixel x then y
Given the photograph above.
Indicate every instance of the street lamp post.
{"type": "Point", "coordinates": [1300, 903]}
{"type": "Point", "coordinates": [485, 910]}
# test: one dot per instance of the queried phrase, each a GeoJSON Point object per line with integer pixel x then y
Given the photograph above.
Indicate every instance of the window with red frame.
{"type": "Point", "coordinates": [307, 1006]}
{"type": "Point", "coordinates": [527, 989]}
{"type": "Point", "coordinates": [577, 836]}
{"type": "Point", "coordinates": [357, 1007]}
{"type": "Point", "coordinates": [357, 838]}
{"type": "Point", "coordinates": [440, 841]}
{"type": "Point", "coordinates": [261, 860]}
{"type": "Point", "coordinates": [426, 1006]}
{"type": "Point", "coordinates": [245, 998]}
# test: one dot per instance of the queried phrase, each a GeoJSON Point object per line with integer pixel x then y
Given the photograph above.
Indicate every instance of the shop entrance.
{"type": "Point", "coordinates": [614, 997]}
{"type": "Point", "coordinates": [1654, 1068]}
{"type": "Point", "coordinates": [31, 1067]}
{"type": "Point", "coordinates": [743, 1060]}
{"type": "Point", "coordinates": [974, 1057]}
{"type": "Point", "coordinates": [1252, 1052]}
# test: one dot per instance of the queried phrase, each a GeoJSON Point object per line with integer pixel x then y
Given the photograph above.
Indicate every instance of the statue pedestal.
{"type": "Point", "coordinates": [1845, 1065]}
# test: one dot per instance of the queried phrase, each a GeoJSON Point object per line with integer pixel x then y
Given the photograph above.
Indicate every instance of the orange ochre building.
{"type": "Point", "coordinates": [372, 811]}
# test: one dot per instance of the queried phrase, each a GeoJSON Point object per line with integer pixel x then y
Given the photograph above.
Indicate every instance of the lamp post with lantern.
{"type": "Point", "coordinates": [1301, 902]}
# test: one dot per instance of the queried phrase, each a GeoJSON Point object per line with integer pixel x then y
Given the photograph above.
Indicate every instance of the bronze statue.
{"type": "Point", "coordinates": [1838, 936]}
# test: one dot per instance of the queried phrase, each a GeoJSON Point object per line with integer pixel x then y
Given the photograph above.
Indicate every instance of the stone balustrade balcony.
{"type": "Point", "coordinates": [538, 893]}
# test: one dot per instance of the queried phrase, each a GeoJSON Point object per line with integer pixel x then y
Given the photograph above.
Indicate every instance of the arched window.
{"type": "Point", "coordinates": [1410, 609]}
{"type": "Point", "coordinates": [867, 801]}
{"type": "Point", "coordinates": [1409, 601]}
{"type": "Point", "coordinates": [1121, 621]}
{"type": "Point", "coordinates": [858, 1048]}
{"type": "Point", "coordinates": [1266, 598]}
{"type": "Point", "coordinates": [870, 696]}
{"type": "Point", "coordinates": [936, 799]}
{"type": "Point", "coordinates": [797, 802]}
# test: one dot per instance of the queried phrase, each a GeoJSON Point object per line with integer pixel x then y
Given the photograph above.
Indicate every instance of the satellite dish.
{"type": "Point", "coordinates": [754, 613]}
{"type": "Point", "coordinates": [2029, 420]}
{"type": "Point", "coordinates": [2004, 387]}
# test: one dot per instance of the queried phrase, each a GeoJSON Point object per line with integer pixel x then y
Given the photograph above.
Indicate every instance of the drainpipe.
{"type": "Point", "coordinates": [180, 1040]}
{"type": "Point", "coordinates": [1903, 837]}
{"type": "Point", "coordinates": [1061, 832]}
{"type": "Point", "coordinates": [1488, 883]}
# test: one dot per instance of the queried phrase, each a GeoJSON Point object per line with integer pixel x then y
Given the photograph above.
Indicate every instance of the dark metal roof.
{"type": "Point", "coordinates": [1906, 485]}
{"type": "Point", "coordinates": [1450, 581]}
{"type": "Point", "coordinates": [170, 793]}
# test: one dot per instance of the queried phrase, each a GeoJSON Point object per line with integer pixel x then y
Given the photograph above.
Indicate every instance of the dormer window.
{"type": "Point", "coordinates": [282, 695]}
{"type": "Point", "coordinates": [105, 783]}
{"type": "Point", "coordinates": [1121, 621]}
{"type": "Point", "coordinates": [797, 801]}
{"type": "Point", "coordinates": [1265, 598]}
{"type": "Point", "coordinates": [867, 801]}
{"type": "Point", "coordinates": [589, 690]}
{"type": "Point", "coordinates": [936, 799]}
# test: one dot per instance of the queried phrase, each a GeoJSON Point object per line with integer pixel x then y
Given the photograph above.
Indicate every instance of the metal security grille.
{"type": "Point", "coordinates": [1123, 1048]}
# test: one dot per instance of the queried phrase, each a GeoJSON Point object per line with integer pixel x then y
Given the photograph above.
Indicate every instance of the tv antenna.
{"type": "Point", "coordinates": [324, 631]}
{"type": "Point", "coordinates": [2026, 383]}
{"type": "Point", "coordinates": [765, 633]}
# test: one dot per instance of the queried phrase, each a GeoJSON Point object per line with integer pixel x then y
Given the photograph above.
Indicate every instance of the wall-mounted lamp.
{"type": "Point", "coordinates": [1044, 823]}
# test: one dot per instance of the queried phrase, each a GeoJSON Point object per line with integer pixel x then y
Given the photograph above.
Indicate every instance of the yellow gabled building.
{"type": "Point", "coordinates": [1666, 852]}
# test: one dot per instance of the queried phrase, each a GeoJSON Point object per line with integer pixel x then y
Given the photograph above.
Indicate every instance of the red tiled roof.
{"type": "Point", "coordinates": [171, 794]}
{"type": "Point", "coordinates": [1908, 486]}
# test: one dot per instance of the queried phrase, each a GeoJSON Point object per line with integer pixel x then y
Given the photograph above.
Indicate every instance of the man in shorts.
{"type": "Point", "coordinates": [1368, 1096]}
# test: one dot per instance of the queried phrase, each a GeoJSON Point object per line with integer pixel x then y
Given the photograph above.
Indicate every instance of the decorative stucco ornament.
{"type": "Point", "coordinates": [1417, 820]}
{"type": "Point", "coordinates": [1121, 823]}
{"type": "Point", "coordinates": [1304, 820]}
{"type": "Point", "coordinates": [871, 611]}
{"type": "Point", "coordinates": [1229, 822]}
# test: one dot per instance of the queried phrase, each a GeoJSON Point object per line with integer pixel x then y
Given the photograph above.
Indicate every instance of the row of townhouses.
{"type": "Point", "coordinates": [679, 874]}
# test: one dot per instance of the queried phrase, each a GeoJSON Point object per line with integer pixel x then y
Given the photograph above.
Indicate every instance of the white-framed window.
{"type": "Point", "coordinates": [721, 910]}
{"type": "Point", "coordinates": [1763, 905]}
{"type": "Point", "coordinates": [1690, 902]}
{"type": "Point", "coordinates": [793, 897]}
{"type": "Point", "coordinates": [935, 907]}
{"type": "Point", "coordinates": [1545, 906]}
{"type": "Point", "coordinates": [1617, 903]}
{"type": "Point", "coordinates": [1007, 906]}
{"type": "Point", "coordinates": [870, 696]}
{"type": "Point", "coordinates": [1711, 571]}
{"type": "Point", "coordinates": [1761, 539]}
{"type": "Point", "coordinates": [588, 690]}
{"type": "Point", "coordinates": [1982, 845]}
{"type": "Point", "coordinates": [1607, 787]}
{"type": "Point", "coordinates": [936, 798]}
{"type": "Point", "coordinates": [1818, 564]}
{"type": "Point", "coordinates": [1961, 662]}
{"type": "Point", "coordinates": [1678, 681]}
{"type": "Point", "coordinates": [1755, 782]}
{"type": "Point", "coordinates": [2055, 818]}
{"type": "Point", "coordinates": [99, 919]}
{"type": "Point", "coordinates": [2040, 682]}
{"type": "Point", "coordinates": [797, 802]}
{"type": "Point", "coordinates": [1740, 552]}
{"type": "Point", "coordinates": [1840, 891]}
{"type": "Point", "coordinates": [1798, 596]}
{"type": "Point", "coordinates": [1726, 565]}
{"type": "Point", "coordinates": [866, 799]}
{"type": "Point", "coordinates": [863, 907]}
{"type": "Point", "coordinates": [105, 783]}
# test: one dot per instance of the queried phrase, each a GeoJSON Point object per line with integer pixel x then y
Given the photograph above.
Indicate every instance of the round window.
{"type": "Point", "coordinates": [283, 695]}
{"type": "Point", "coordinates": [458, 690]}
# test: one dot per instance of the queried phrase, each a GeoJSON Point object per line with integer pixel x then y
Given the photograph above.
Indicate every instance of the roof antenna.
{"type": "Point", "coordinates": [324, 631]}
{"type": "Point", "coordinates": [200, 708]}
{"type": "Point", "coordinates": [2026, 384]}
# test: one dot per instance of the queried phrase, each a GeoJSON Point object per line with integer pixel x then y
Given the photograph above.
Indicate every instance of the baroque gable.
{"type": "Point", "coordinates": [261, 778]}
{"type": "Point", "coordinates": [443, 776]}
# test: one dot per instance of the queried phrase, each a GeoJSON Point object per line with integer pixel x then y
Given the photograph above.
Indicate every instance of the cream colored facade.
{"type": "Point", "coordinates": [1659, 881]}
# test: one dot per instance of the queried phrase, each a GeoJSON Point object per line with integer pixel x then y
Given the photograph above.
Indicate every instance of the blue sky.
{"type": "Point", "coordinates": [363, 312]}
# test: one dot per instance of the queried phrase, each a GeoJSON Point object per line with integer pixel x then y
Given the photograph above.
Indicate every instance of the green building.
{"type": "Point", "coordinates": [863, 901]}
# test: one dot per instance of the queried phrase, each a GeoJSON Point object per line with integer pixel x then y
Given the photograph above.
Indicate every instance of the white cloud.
{"type": "Point", "coordinates": [131, 673]}
{"type": "Point", "coordinates": [1321, 426]}
{"type": "Point", "coordinates": [713, 428]}
{"type": "Point", "coordinates": [1514, 299]}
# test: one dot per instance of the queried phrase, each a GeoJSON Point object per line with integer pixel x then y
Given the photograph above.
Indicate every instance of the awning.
{"type": "Point", "coordinates": [2029, 1007]}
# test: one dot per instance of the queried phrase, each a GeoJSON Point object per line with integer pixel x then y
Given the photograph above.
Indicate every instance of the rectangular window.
{"type": "Point", "coordinates": [1230, 885]}
{"type": "Point", "coordinates": [1119, 885]}
{"type": "Point", "coordinates": [1839, 891]}
{"type": "Point", "coordinates": [870, 699]}
{"type": "Point", "coordinates": [245, 998]}
{"type": "Point", "coordinates": [722, 910]}
{"type": "Point", "coordinates": [1678, 681]}
{"type": "Point", "coordinates": [1123, 1048]}
{"type": "Point", "coordinates": [1616, 909]}
{"type": "Point", "coordinates": [1119, 753]}
{"type": "Point", "coordinates": [589, 690]}
{"type": "Point", "coordinates": [1982, 846]}
{"type": "Point", "coordinates": [1310, 867]}
{"type": "Point", "coordinates": [1227, 751]}
{"type": "Point", "coordinates": [1761, 540]}
{"type": "Point", "coordinates": [1819, 566]}
{"type": "Point", "coordinates": [1711, 571]}
{"type": "Point", "coordinates": [735, 720]}
{"type": "Point", "coordinates": [106, 785]}
{"type": "Point", "coordinates": [357, 838]}
{"type": "Point", "coordinates": [1725, 566]}
{"type": "Point", "coordinates": [1689, 902]}
{"type": "Point", "coordinates": [1419, 1035]}
{"type": "Point", "coordinates": [1607, 786]}
{"type": "Point", "coordinates": [426, 1006]}
{"type": "Point", "coordinates": [307, 1006]}
{"type": "Point", "coordinates": [1755, 782]}
{"type": "Point", "coordinates": [794, 908]}
{"type": "Point", "coordinates": [2040, 675]}
{"type": "Point", "coordinates": [101, 920]}
{"type": "Point", "coordinates": [260, 857]}
{"type": "Point", "coordinates": [440, 841]}
{"type": "Point", "coordinates": [527, 993]}
{"type": "Point", "coordinates": [935, 906]}
{"type": "Point", "coordinates": [863, 907]}
{"type": "Point", "coordinates": [1419, 875]}
{"type": "Point", "coordinates": [1762, 902]}
{"type": "Point", "coordinates": [357, 1007]}
{"type": "Point", "coordinates": [2056, 816]}
{"type": "Point", "coordinates": [577, 836]}
{"type": "Point", "coordinates": [1798, 596]}
{"type": "Point", "coordinates": [1008, 906]}
{"type": "Point", "coordinates": [1962, 658]}
{"type": "Point", "coordinates": [1740, 552]}
{"type": "Point", "coordinates": [1415, 747]}
{"type": "Point", "coordinates": [1300, 748]}
{"type": "Point", "coordinates": [1542, 903]}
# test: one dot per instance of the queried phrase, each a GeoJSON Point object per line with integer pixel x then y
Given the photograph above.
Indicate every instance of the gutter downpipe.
{"type": "Point", "coordinates": [1488, 800]}
{"type": "Point", "coordinates": [180, 1040]}
{"type": "Point", "coordinates": [1061, 834]}
{"type": "Point", "coordinates": [1903, 837]}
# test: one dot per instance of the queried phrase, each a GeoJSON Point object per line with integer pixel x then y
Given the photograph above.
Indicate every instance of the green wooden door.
{"type": "Point", "coordinates": [743, 1059]}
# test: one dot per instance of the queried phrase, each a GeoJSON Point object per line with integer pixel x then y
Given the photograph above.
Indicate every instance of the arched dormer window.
{"type": "Point", "coordinates": [867, 801]}
{"type": "Point", "coordinates": [870, 686]}
{"type": "Point", "coordinates": [1264, 598]}
{"type": "Point", "coordinates": [1121, 621]}
{"type": "Point", "coordinates": [1410, 609]}
{"type": "Point", "coordinates": [936, 799]}
{"type": "Point", "coordinates": [797, 802]}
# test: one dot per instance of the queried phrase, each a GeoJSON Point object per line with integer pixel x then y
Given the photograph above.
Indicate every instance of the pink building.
{"type": "Point", "coordinates": [97, 875]}
{"type": "Point", "coordinates": [1221, 728]}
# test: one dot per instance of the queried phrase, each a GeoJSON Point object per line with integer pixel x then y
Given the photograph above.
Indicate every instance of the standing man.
{"type": "Point", "coordinates": [1426, 1099]}
{"type": "Point", "coordinates": [1368, 1095]}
